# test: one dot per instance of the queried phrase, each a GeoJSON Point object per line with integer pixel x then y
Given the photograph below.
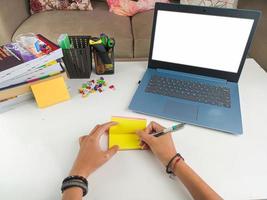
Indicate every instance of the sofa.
{"type": "Point", "coordinates": [132, 34]}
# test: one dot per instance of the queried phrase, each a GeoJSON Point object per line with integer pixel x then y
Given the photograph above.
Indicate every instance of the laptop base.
{"type": "Point", "coordinates": [195, 113]}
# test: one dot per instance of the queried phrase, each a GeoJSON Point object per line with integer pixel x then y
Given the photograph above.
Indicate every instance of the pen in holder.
{"type": "Point", "coordinates": [103, 54]}
{"type": "Point", "coordinates": [102, 67]}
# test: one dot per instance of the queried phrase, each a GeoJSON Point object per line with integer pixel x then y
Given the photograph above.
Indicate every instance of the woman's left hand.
{"type": "Point", "coordinates": [91, 156]}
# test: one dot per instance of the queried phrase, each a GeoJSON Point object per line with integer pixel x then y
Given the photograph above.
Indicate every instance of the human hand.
{"type": "Point", "coordinates": [91, 156]}
{"type": "Point", "coordinates": [162, 147]}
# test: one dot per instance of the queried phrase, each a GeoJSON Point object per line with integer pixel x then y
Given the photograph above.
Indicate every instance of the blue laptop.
{"type": "Point", "coordinates": [195, 61]}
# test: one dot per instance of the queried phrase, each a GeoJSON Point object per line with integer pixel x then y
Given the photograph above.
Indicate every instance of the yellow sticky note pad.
{"type": "Point", "coordinates": [50, 92]}
{"type": "Point", "coordinates": [124, 134]}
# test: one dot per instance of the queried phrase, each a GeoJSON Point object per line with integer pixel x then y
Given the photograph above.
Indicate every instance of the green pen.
{"type": "Point", "coordinates": [167, 130]}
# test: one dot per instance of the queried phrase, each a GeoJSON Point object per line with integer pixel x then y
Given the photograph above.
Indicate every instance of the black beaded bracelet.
{"type": "Point", "coordinates": [168, 167]}
{"type": "Point", "coordinates": [75, 181]}
{"type": "Point", "coordinates": [76, 177]}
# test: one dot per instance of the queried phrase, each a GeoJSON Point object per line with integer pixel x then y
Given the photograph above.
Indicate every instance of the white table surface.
{"type": "Point", "coordinates": [38, 146]}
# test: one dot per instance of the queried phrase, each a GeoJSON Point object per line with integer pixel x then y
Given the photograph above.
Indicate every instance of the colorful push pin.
{"type": "Point", "coordinates": [84, 85]}
{"type": "Point", "coordinates": [85, 93]}
{"type": "Point", "coordinates": [93, 86]}
{"type": "Point", "coordinates": [112, 87]}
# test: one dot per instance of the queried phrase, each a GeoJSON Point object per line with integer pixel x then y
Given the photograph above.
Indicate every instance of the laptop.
{"type": "Point", "coordinates": [195, 61]}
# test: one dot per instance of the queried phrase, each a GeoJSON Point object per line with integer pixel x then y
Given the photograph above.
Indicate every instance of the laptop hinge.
{"type": "Point", "coordinates": [207, 78]}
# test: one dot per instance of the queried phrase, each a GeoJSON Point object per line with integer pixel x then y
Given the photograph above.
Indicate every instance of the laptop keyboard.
{"type": "Point", "coordinates": [190, 90]}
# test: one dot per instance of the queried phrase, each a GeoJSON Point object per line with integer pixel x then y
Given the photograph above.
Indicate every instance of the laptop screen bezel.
{"type": "Point", "coordinates": [229, 76]}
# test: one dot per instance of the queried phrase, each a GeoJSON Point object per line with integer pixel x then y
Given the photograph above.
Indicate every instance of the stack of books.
{"type": "Point", "coordinates": [20, 66]}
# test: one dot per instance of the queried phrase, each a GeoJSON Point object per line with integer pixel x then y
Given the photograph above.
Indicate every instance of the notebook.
{"type": "Point", "coordinates": [124, 134]}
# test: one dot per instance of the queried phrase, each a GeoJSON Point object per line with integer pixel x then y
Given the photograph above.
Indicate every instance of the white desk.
{"type": "Point", "coordinates": [37, 147]}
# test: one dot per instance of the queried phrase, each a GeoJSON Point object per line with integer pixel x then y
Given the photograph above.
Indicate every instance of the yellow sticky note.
{"type": "Point", "coordinates": [124, 134]}
{"type": "Point", "coordinates": [50, 92]}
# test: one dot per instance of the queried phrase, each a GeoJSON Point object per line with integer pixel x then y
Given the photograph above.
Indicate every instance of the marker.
{"type": "Point", "coordinates": [167, 130]}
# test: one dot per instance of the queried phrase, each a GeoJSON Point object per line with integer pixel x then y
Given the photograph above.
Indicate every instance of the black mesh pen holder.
{"type": "Point", "coordinates": [78, 59]}
{"type": "Point", "coordinates": [100, 67]}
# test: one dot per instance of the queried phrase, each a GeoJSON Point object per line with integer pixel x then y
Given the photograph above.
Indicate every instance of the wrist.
{"type": "Point", "coordinates": [173, 162]}
{"type": "Point", "coordinates": [176, 162]}
{"type": "Point", "coordinates": [74, 185]}
{"type": "Point", "coordinates": [74, 191]}
{"type": "Point", "coordinates": [168, 157]}
{"type": "Point", "coordinates": [78, 172]}
{"type": "Point", "coordinates": [178, 168]}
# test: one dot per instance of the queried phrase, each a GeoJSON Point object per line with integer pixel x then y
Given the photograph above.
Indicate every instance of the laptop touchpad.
{"type": "Point", "coordinates": [180, 111]}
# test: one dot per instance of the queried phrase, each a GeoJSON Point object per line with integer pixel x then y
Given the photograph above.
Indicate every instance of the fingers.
{"type": "Point", "coordinates": [101, 129]}
{"type": "Point", "coordinates": [145, 136]}
{"type": "Point", "coordinates": [81, 139]}
{"type": "Point", "coordinates": [144, 146]}
{"type": "Point", "coordinates": [112, 151]}
{"type": "Point", "coordinates": [94, 130]}
{"type": "Point", "coordinates": [155, 127]}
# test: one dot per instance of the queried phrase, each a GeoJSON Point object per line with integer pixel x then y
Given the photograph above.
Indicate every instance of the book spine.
{"type": "Point", "coordinates": [33, 64]}
{"type": "Point", "coordinates": [43, 77]}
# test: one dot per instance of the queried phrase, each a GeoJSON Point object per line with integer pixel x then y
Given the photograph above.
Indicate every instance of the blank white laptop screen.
{"type": "Point", "coordinates": [199, 40]}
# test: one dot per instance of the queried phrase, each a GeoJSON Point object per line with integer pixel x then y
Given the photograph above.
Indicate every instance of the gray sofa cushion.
{"type": "Point", "coordinates": [12, 14]}
{"type": "Point", "coordinates": [52, 23]}
{"type": "Point", "coordinates": [142, 26]}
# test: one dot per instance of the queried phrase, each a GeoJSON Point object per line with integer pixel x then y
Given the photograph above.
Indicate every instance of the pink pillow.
{"type": "Point", "coordinates": [130, 8]}
{"type": "Point", "coordinates": [212, 3]}
{"type": "Point", "coordinates": [44, 5]}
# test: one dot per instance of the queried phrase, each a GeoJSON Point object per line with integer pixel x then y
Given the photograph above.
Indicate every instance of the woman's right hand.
{"type": "Point", "coordinates": [162, 147]}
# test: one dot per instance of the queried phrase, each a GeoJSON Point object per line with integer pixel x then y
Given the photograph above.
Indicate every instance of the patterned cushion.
{"type": "Point", "coordinates": [44, 5]}
{"type": "Point", "coordinates": [213, 3]}
{"type": "Point", "coordinates": [131, 7]}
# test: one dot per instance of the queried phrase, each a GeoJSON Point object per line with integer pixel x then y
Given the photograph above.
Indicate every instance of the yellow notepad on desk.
{"type": "Point", "coordinates": [50, 92]}
{"type": "Point", "coordinates": [124, 134]}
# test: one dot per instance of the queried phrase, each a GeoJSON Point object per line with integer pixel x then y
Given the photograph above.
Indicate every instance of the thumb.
{"type": "Point", "coordinates": [112, 151]}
